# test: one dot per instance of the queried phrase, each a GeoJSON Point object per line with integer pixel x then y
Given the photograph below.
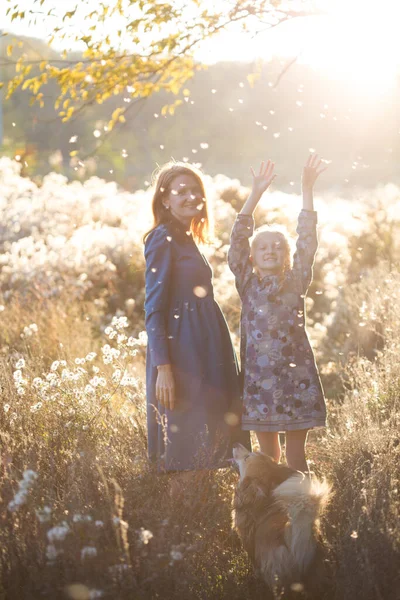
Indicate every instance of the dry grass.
{"type": "Point", "coordinates": [121, 534]}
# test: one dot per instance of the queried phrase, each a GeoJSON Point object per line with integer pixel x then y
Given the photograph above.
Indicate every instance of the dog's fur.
{"type": "Point", "coordinates": [276, 514]}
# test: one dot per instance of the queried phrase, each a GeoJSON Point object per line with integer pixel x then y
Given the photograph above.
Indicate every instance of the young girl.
{"type": "Point", "coordinates": [282, 390]}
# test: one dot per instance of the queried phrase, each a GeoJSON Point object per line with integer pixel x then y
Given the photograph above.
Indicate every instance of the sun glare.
{"type": "Point", "coordinates": [352, 41]}
{"type": "Point", "coordinates": [358, 42]}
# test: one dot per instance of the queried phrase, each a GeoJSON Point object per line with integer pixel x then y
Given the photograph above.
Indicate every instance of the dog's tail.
{"type": "Point", "coordinates": [304, 499]}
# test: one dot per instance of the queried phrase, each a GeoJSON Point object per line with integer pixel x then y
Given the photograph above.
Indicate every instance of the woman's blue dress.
{"type": "Point", "coordinates": [186, 328]}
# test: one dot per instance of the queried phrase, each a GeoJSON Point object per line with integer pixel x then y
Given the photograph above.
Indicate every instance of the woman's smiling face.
{"type": "Point", "coordinates": [184, 199]}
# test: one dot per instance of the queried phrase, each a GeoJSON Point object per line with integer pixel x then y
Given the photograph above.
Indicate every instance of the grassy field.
{"type": "Point", "coordinates": [83, 515]}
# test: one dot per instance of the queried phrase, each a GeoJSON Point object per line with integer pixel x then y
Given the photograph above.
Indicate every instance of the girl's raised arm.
{"type": "Point", "coordinates": [307, 242]}
{"type": "Point", "coordinates": [261, 183]}
{"type": "Point", "coordinates": [239, 252]}
{"type": "Point", "coordinates": [311, 171]}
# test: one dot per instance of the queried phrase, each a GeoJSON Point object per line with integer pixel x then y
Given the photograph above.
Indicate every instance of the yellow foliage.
{"type": "Point", "coordinates": [252, 78]}
{"type": "Point", "coordinates": [163, 37]}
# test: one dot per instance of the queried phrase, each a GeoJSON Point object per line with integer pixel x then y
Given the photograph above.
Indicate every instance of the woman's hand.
{"type": "Point", "coordinates": [265, 177]}
{"type": "Point", "coordinates": [261, 183]}
{"type": "Point", "coordinates": [165, 387]}
{"type": "Point", "coordinates": [311, 171]}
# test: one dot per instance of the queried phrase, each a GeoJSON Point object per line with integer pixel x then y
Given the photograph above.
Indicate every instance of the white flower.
{"type": "Point", "coordinates": [52, 377]}
{"type": "Point", "coordinates": [6, 408]}
{"type": "Point", "coordinates": [18, 500]}
{"type": "Point", "coordinates": [30, 476]}
{"type": "Point", "coordinates": [43, 514]}
{"type": "Point", "coordinates": [88, 552]}
{"type": "Point", "coordinates": [118, 568]}
{"type": "Point", "coordinates": [65, 374]}
{"type": "Point", "coordinates": [120, 322]}
{"type": "Point", "coordinates": [143, 338]}
{"type": "Point", "coordinates": [116, 376]}
{"type": "Point", "coordinates": [20, 364]}
{"type": "Point", "coordinates": [93, 594]}
{"type": "Point", "coordinates": [58, 533]}
{"type": "Point", "coordinates": [17, 374]}
{"type": "Point", "coordinates": [52, 552]}
{"type": "Point", "coordinates": [24, 485]}
{"type": "Point", "coordinates": [127, 380]}
{"type": "Point", "coordinates": [145, 535]}
{"type": "Point", "coordinates": [78, 518]}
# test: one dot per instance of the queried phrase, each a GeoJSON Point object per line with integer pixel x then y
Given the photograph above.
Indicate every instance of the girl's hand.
{"type": "Point", "coordinates": [312, 170]}
{"type": "Point", "coordinates": [265, 177]}
{"type": "Point", "coordinates": [165, 387]}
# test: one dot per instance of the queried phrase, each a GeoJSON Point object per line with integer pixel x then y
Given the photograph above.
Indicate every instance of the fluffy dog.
{"type": "Point", "coordinates": [276, 514]}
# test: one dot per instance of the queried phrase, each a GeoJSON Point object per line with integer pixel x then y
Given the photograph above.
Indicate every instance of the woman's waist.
{"type": "Point", "coordinates": [199, 294]}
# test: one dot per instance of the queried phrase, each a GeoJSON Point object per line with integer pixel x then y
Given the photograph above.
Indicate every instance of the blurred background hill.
{"type": "Point", "coordinates": [225, 124]}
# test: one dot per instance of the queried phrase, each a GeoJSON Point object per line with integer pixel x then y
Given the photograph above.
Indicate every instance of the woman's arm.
{"type": "Point", "coordinates": [239, 252]}
{"type": "Point", "coordinates": [307, 241]}
{"type": "Point", "coordinates": [158, 255]}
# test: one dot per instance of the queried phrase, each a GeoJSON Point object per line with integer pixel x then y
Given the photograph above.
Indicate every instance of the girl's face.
{"type": "Point", "coordinates": [184, 198]}
{"type": "Point", "coordinates": [268, 252]}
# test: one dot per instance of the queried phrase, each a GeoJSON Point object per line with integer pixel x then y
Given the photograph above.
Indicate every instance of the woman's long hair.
{"type": "Point", "coordinates": [163, 179]}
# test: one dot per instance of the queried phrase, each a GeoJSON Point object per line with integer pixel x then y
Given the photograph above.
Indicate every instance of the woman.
{"type": "Point", "coordinates": [191, 370]}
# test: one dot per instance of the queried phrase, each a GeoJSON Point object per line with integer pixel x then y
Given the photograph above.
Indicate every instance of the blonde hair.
{"type": "Point", "coordinates": [162, 179]}
{"type": "Point", "coordinates": [287, 260]}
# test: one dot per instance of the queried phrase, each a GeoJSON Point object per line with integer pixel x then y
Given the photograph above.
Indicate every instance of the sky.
{"type": "Point", "coordinates": [351, 39]}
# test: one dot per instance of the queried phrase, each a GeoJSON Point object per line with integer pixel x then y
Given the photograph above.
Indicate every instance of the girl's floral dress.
{"type": "Point", "coordinates": [282, 389]}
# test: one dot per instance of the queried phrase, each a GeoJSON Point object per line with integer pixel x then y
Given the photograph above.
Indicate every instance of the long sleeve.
{"type": "Point", "coordinates": [158, 255]}
{"type": "Point", "coordinates": [239, 252]}
{"type": "Point", "coordinates": [306, 247]}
